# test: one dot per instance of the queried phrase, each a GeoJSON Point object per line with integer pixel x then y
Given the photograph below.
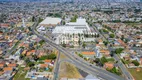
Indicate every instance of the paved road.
{"type": "Point", "coordinates": [79, 62]}
{"type": "Point", "coordinates": [56, 69]}
{"type": "Point", "coordinates": [124, 70]}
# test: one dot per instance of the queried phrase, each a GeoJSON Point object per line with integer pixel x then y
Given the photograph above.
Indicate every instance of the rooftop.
{"type": "Point", "coordinates": [88, 53]}
{"type": "Point", "coordinates": [51, 21]}
{"type": "Point", "coordinates": [73, 27]}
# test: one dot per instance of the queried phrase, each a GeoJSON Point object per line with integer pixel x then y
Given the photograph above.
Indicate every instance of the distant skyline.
{"type": "Point", "coordinates": [70, 0]}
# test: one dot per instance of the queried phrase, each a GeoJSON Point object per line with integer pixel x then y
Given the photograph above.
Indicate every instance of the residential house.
{"type": "Point", "coordinates": [31, 52]}
{"type": "Point", "coordinates": [89, 54]}
{"type": "Point", "coordinates": [24, 52]}
{"type": "Point", "coordinates": [7, 69]}
{"type": "Point", "coordinates": [13, 65]}
{"type": "Point", "coordinates": [1, 65]}
{"type": "Point", "coordinates": [43, 65]}
{"type": "Point", "coordinates": [4, 25]}
{"type": "Point", "coordinates": [106, 53]}
{"type": "Point", "coordinates": [100, 41]}
{"type": "Point", "coordinates": [122, 43]}
{"type": "Point", "coordinates": [48, 61]}
{"type": "Point", "coordinates": [108, 65]}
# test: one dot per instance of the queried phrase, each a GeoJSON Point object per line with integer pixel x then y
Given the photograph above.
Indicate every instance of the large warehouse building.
{"type": "Point", "coordinates": [49, 21]}
{"type": "Point", "coordinates": [73, 32]}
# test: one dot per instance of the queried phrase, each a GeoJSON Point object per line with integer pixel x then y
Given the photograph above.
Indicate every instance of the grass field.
{"type": "Point", "coordinates": [69, 71]}
{"type": "Point", "coordinates": [135, 74]}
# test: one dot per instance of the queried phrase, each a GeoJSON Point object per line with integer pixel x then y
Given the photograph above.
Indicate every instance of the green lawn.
{"type": "Point", "coordinates": [111, 59]}
{"type": "Point", "coordinates": [135, 74]}
{"type": "Point", "coordinates": [20, 75]}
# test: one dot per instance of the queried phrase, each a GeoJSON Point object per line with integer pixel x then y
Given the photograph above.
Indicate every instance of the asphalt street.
{"type": "Point", "coordinates": [124, 70]}
{"type": "Point", "coordinates": [79, 62]}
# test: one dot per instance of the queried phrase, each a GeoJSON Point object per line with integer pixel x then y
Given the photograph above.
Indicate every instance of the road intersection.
{"type": "Point", "coordinates": [88, 67]}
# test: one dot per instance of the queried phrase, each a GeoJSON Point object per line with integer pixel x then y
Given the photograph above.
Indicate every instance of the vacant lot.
{"type": "Point", "coordinates": [69, 71]}
{"type": "Point", "coordinates": [62, 56]}
{"type": "Point", "coordinates": [137, 75]}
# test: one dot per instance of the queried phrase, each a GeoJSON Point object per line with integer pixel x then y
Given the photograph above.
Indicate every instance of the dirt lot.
{"type": "Point", "coordinates": [69, 71]}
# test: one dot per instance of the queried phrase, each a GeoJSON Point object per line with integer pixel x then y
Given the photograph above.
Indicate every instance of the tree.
{"type": "Point", "coordinates": [64, 22]}
{"type": "Point", "coordinates": [111, 35]}
{"type": "Point", "coordinates": [35, 57]}
{"type": "Point", "coordinates": [50, 14]}
{"type": "Point", "coordinates": [33, 19]}
{"type": "Point", "coordinates": [74, 18]}
{"type": "Point", "coordinates": [98, 35]}
{"type": "Point", "coordinates": [84, 45]}
{"type": "Point", "coordinates": [105, 31]}
{"type": "Point", "coordinates": [122, 38]}
{"type": "Point", "coordinates": [27, 60]}
{"type": "Point", "coordinates": [103, 60]}
{"type": "Point", "coordinates": [97, 60]}
{"type": "Point", "coordinates": [22, 56]}
{"type": "Point", "coordinates": [114, 70]}
{"type": "Point", "coordinates": [79, 41]}
{"type": "Point", "coordinates": [80, 55]}
{"type": "Point", "coordinates": [119, 50]}
{"type": "Point", "coordinates": [52, 56]}
{"type": "Point", "coordinates": [64, 45]}
{"type": "Point", "coordinates": [41, 42]}
{"type": "Point", "coordinates": [31, 64]}
{"type": "Point", "coordinates": [105, 42]}
{"type": "Point", "coordinates": [29, 28]}
{"type": "Point", "coordinates": [135, 62]}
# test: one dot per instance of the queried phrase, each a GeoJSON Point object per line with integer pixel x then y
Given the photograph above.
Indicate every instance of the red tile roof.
{"type": "Point", "coordinates": [11, 65]}
{"type": "Point", "coordinates": [7, 69]}
{"type": "Point", "coordinates": [47, 60]}
{"type": "Point", "coordinates": [1, 65]}
{"type": "Point", "coordinates": [43, 65]}
{"type": "Point", "coordinates": [109, 65]}
{"type": "Point", "coordinates": [88, 53]}
{"type": "Point", "coordinates": [4, 25]}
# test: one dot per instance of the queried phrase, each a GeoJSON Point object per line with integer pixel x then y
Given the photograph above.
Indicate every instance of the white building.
{"type": "Point", "coordinates": [73, 32]}
{"type": "Point", "coordinates": [41, 29]}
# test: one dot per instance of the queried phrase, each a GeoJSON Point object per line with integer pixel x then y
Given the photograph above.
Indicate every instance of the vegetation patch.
{"type": "Point", "coordinates": [136, 74]}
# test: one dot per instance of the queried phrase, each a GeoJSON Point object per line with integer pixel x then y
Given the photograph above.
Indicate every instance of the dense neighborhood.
{"type": "Point", "coordinates": [69, 40]}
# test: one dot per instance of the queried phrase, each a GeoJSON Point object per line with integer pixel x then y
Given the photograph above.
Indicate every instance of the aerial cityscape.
{"type": "Point", "coordinates": [70, 39]}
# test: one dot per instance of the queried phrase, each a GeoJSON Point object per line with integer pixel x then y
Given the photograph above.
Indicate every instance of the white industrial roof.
{"type": "Point", "coordinates": [68, 29]}
{"type": "Point", "coordinates": [73, 27]}
{"type": "Point", "coordinates": [50, 20]}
